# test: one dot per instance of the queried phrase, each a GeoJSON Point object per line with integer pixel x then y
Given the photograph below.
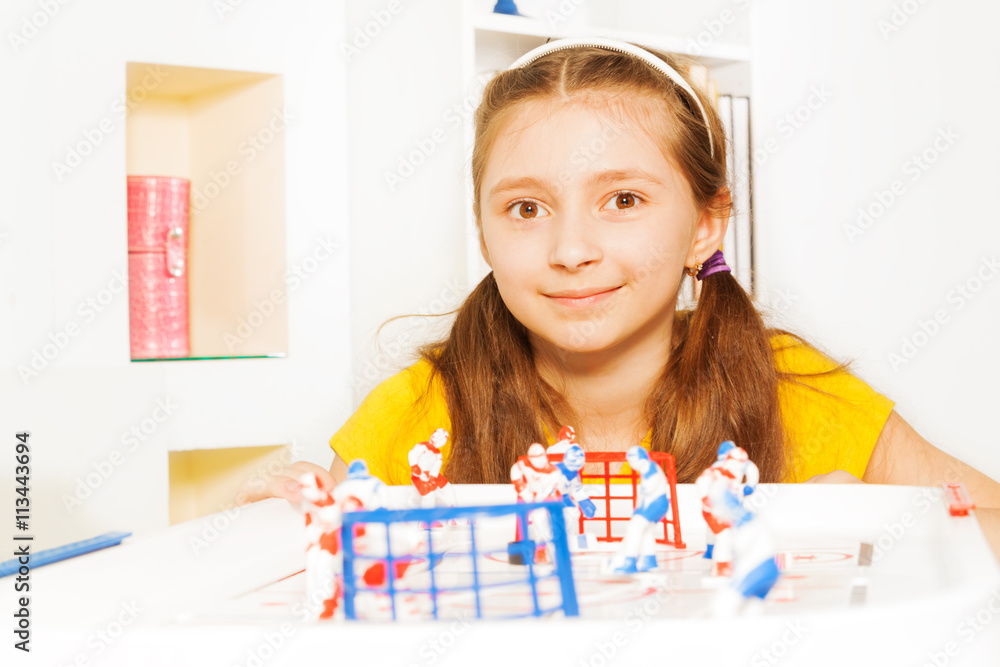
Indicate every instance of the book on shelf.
{"type": "Point", "coordinates": [737, 245]}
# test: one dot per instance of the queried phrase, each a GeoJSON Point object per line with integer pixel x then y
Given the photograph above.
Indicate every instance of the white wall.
{"type": "Point", "coordinates": [860, 295]}
{"type": "Point", "coordinates": [61, 241]}
{"type": "Point", "coordinates": [407, 238]}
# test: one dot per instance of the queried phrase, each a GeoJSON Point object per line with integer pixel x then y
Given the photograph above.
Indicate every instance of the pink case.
{"type": "Point", "coordinates": [157, 266]}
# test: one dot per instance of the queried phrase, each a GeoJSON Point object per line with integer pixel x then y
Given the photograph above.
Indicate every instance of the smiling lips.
{"type": "Point", "coordinates": [582, 298]}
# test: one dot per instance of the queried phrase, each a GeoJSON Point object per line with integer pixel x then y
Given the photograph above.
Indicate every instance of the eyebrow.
{"type": "Point", "coordinates": [611, 175]}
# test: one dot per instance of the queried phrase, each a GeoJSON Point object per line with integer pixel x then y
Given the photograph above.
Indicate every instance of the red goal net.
{"type": "Point", "coordinates": [614, 507]}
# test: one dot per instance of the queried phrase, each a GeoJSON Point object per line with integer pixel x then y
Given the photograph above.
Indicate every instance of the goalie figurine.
{"type": "Point", "coordinates": [638, 550]}
{"type": "Point", "coordinates": [574, 496]}
{"type": "Point", "coordinates": [425, 471]}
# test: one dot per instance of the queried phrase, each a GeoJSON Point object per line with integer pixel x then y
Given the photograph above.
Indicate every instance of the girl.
{"type": "Point", "coordinates": [599, 175]}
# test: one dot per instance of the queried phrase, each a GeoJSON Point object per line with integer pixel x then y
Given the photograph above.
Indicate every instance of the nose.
{"type": "Point", "coordinates": [575, 244]}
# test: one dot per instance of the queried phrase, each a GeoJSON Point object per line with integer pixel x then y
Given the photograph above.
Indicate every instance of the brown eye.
{"type": "Point", "coordinates": [527, 209]}
{"type": "Point", "coordinates": [623, 201]}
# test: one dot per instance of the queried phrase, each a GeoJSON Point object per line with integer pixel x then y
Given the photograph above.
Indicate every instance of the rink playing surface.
{"type": "Point", "coordinates": [823, 577]}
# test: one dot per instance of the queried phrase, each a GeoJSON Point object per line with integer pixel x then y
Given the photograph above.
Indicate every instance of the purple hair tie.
{"type": "Point", "coordinates": [714, 264]}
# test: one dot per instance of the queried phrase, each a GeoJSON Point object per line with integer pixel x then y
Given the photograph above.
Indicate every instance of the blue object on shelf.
{"type": "Point", "coordinates": [506, 7]}
{"type": "Point", "coordinates": [55, 554]}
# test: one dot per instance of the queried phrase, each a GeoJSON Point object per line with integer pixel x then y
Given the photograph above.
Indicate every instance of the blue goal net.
{"type": "Point", "coordinates": [457, 562]}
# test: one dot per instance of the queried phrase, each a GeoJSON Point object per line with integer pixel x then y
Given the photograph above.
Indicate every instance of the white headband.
{"type": "Point", "coordinates": [621, 47]}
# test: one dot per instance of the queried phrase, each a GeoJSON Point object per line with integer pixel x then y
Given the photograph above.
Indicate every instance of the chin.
{"type": "Point", "coordinates": [580, 337]}
{"type": "Point", "coordinates": [583, 340]}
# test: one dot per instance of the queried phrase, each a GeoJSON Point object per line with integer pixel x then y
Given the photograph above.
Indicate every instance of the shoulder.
{"type": "Point", "coordinates": [832, 419]}
{"type": "Point", "coordinates": [792, 355]}
{"type": "Point", "coordinates": [399, 412]}
{"type": "Point", "coordinates": [410, 383]}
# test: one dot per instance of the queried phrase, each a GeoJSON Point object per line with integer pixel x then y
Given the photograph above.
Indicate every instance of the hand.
{"type": "Point", "coordinates": [834, 477]}
{"type": "Point", "coordinates": [587, 508]}
{"type": "Point", "coordinates": [282, 484]}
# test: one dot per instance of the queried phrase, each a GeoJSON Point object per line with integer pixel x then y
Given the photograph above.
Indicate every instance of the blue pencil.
{"type": "Point", "coordinates": [46, 556]}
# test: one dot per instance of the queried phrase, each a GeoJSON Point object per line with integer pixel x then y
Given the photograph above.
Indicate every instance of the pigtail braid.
{"type": "Point", "coordinates": [719, 384]}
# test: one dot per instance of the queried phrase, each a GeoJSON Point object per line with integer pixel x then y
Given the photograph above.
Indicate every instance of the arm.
{"type": "Point", "coordinates": [285, 482]}
{"type": "Point", "coordinates": [902, 456]}
{"type": "Point", "coordinates": [338, 470]}
{"type": "Point", "coordinates": [517, 478]}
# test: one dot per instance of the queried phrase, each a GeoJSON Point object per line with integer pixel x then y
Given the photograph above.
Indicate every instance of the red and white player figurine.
{"type": "Point", "coordinates": [735, 472]}
{"type": "Point", "coordinates": [324, 560]}
{"type": "Point", "coordinates": [535, 479]}
{"type": "Point", "coordinates": [565, 440]}
{"type": "Point", "coordinates": [425, 471]}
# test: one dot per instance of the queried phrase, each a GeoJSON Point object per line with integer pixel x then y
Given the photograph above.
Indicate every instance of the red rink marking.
{"type": "Point", "coordinates": [802, 557]}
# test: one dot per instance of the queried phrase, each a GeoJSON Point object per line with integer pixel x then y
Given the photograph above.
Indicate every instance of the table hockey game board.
{"type": "Point", "coordinates": [870, 573]}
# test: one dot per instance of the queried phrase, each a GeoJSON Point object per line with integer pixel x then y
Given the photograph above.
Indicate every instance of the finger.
{"type": "Point", "coordinates": [282, 486]}
{"type": "Point", "coordinates": [326, 480]}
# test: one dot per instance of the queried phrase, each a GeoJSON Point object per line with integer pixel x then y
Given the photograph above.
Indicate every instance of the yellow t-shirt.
{"type": "Point", "coordinates": [835, 428]}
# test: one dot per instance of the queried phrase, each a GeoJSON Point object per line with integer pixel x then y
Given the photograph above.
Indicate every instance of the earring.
{"type": "Point", "coordinates": [694, 271]}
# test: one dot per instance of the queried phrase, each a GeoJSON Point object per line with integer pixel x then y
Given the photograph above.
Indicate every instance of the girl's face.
{"type": "Point", "coordinates": [588, 227]}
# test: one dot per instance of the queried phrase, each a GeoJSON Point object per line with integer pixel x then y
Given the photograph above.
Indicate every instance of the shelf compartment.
{"type": "Point", "coordinates": [224, 131]}
{"type": "Point", "coordinates": [205, 481]}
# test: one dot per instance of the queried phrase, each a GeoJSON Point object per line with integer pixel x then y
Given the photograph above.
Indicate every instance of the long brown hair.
{"type": "Point", "coordinates": [720, 382]}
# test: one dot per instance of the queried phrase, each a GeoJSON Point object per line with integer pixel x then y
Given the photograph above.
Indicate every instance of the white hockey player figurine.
{"type": "Point", "coordinates": [638, 550]}
{"type": "Point", "coordinates": [425, 460]}
{"type": "Point", "coordinates": [733, 470]}
{"type": "Point", "coordinates": [324, 559]}
{"type": "Point", "coordinates": [574, 496]}
{"type": "Point", "coordinates": [755, 566]}
{"type": "Point", "coordinates": [361, 490]}
{"type": "Point", "coordinates": [744, 471]}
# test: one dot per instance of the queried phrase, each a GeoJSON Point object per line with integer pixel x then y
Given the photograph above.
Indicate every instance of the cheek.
{"type": "Point", "coordinates": [656, 263]}
{"type": "Point", "coordinates": [657, 279]}
{"type": "Point", "coordinates": [514, 263]}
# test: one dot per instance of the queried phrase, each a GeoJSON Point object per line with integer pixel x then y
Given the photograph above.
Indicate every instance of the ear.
{"type": "Point", "coordinates": [710, 230]}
